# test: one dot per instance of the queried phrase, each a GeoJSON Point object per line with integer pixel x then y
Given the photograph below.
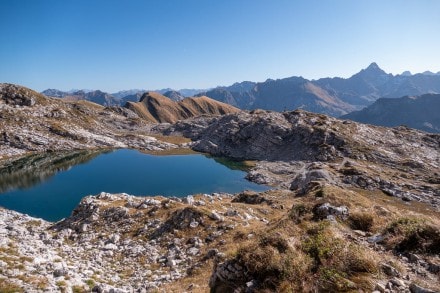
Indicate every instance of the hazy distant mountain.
{"type": "Point", "coordinates": [131, 98]}
{"type": "Point", "coordinates": [361, 89]}
{"type": "Point", "coordinates": [241, 87]}
{"type": "Point", "coordinates": [54, 93]}
{"type": "Point", "coordinates": [191, 92]}
{"type": "Point", "coordinates": [429, 73]}
{"type": "Point", "coordinates": [297, 92]}
{"type": "Point", "coordinates": [125, 93]}
{"type": "Point", "coordinates": [280, 95]}
{"type": "Point", "coordinates": [333, 96]}
{"type": "Point", "coordinates": [372, 83]}
{"type": "Point", "coordinates": [119, 98]}
{"type": "Point", "coordinates": [155, 107]}
{"type": "Point", "coordinates": [420, 112]}
{"type": "Point", "coordinates": [174, 95]}
{"type": "Point", "coordinates": [242, 100]}
{"type": "Point", "coordinates": [97, 97]}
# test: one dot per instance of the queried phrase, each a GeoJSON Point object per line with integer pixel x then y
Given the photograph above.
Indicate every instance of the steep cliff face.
{"type": "Point", "coordinates": [157, 108]}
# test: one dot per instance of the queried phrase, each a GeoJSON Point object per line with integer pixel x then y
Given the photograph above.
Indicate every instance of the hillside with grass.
{"type": "Point", "coordinates": [157, 108]}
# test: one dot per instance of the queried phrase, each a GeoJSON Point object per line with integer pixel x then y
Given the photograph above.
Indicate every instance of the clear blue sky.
{"type": "Point", "coordinates": [114, 45]}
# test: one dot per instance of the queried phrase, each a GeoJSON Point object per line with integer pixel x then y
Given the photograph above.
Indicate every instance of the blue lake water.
{"type": "Point", "coordinates": [51, 190]}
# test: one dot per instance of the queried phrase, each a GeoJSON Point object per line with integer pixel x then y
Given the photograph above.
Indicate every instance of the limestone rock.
{"type": "Point", "coordinates": [323, 211]}
{"type": "Point", "coordinates": [419, 289]}
{"type": "Point", "coordinates": [227, 277]}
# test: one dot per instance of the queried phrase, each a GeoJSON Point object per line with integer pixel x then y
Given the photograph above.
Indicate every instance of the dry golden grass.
{"type": "Point", "coordinates": [294, 252]}
{"type": "Point", "coordinates": [363, 221]}
{"type": "Point", "coordinates": [306, 255]}
{"type": "Point", "coordinates": [171, 139]}
{"type": "Point", "coordinates": [155, 107]}
{"type": "Point", "coordinates": [9, 287]}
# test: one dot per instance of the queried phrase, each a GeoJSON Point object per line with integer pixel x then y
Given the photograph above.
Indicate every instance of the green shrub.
{"type": "Point", "coordinates": [298, 212]}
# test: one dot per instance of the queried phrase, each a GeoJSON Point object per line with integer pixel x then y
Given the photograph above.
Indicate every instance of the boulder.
{"type": "Point", "coordinates": [325, 210]}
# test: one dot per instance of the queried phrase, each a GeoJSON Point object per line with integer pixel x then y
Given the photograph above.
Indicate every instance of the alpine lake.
{"type": "Point", "coordinates": [49, 186]}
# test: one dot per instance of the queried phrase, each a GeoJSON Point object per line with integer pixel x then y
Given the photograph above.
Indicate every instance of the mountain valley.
{"type": "Point", "coordinates": [352, 207]}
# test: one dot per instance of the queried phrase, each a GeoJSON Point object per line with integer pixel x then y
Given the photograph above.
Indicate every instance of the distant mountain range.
{"type": "Point", "coordinates": [420, 112]}
{"type": "Point", "coordinates": [118, 98]}
{"type": "Point", "coordinates": [332, 96]}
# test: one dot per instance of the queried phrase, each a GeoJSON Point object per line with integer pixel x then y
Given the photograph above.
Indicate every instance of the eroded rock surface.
{"type": "Point", "coordinates": [117, 242]}
{"type": "Point", "coordinates": [32, 122]}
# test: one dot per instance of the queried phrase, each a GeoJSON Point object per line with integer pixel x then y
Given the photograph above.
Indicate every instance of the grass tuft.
{"type": "Point", "coordinates": [273, 262]}
{"type": "Point", "coordinates": [361, 221]}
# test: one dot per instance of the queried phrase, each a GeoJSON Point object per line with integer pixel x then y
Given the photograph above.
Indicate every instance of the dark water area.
{"type": "Point", "coordinates": [50, 186]}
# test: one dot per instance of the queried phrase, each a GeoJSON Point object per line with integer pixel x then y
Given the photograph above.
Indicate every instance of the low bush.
{"type": "Point", "coordinates": [361, 221]}
{"type": "Point", "coordinates": [335, 260]}
{"type": "Point", "coordinates": [412, 234]}
{"type": "Point", "coordinates": [298, 212]}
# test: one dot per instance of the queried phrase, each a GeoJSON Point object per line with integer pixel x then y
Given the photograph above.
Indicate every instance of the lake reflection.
{"type": "Point", "coordinates": [29, 171]}
{"type": "Point", "coordinates": [50, 186]}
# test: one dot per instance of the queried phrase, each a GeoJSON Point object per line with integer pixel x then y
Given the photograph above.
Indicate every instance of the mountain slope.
{"type": "Point", "coordinates": [155, 107]}
{"type": "Point", "coordinates": [32, 122]}
{"type": "Point", "coordinates": [420, 112]}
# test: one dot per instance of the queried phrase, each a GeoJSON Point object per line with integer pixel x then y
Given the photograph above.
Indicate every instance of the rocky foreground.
{"type": "Point", "coordinates": [122, 243]}
{"type": "Point", "coordinates": [118, 241]}
{"type": "Point", "coordinates": [354, 207]}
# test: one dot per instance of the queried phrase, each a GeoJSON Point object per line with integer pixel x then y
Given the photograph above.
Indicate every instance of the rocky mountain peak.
{"type": "Point", "coordinates": [372, 70]}
{"type": "Point", "coordinates": [373, 66]}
